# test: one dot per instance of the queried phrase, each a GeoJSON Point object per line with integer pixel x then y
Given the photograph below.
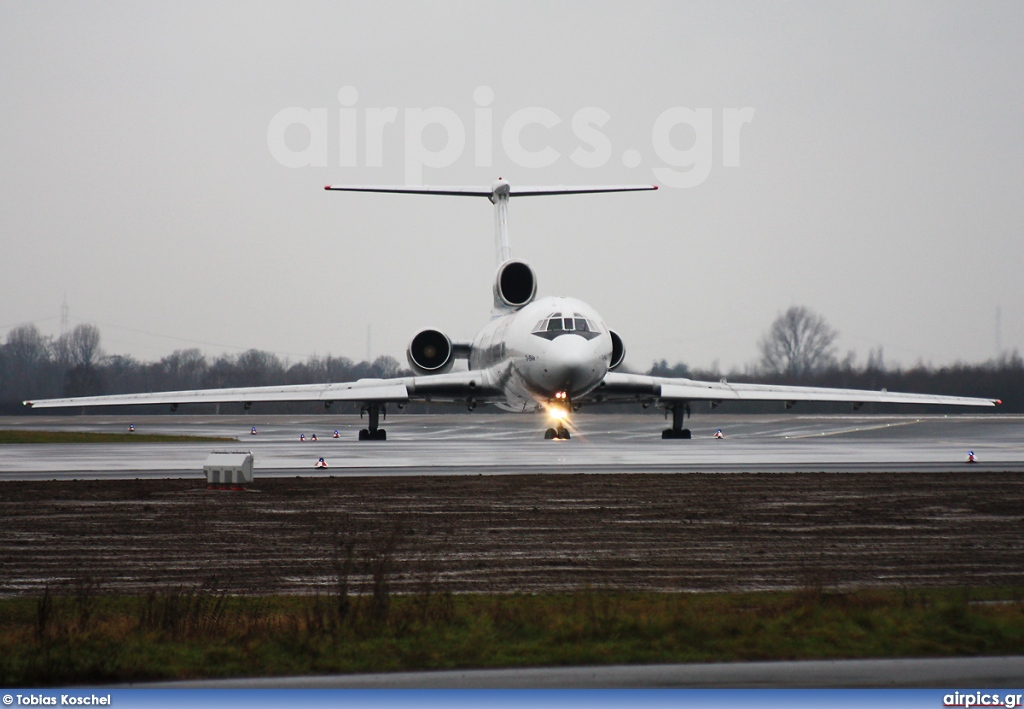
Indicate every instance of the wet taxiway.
{"type": "Point", "coordinates": [944, 522]}
{"type": "Point", "coordinates": [986, 672]}
{"type": "Point", "coordinates": [455, 444]}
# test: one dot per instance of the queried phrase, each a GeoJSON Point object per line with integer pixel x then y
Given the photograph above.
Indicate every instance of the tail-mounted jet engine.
{"type": "Point", "coordinates": [430, 352]}
{"type": "Point", "coordinates": [618, 350]}
{"type": "Point", "coordinates": [514, 285]}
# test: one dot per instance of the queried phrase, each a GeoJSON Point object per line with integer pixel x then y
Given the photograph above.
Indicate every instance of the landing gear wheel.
{"type": "Point", "coordinates": [371, 432]}
{"type": "Point", "coordinates": [670, 433]}
{"type": "Point", "coordinates": [550, 434]}
{"type": "Point", "coordinates": [679, 411]}
{"type": "Point", "coordinates": [562, 433]}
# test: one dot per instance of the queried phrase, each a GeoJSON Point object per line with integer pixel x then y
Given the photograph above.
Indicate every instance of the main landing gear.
{"type": "Point", "coordinates": [373, 432]}
{"type": "Point", "coordinates": [679, 412]}
{"type": "Point", "coordinates": [560, 433]}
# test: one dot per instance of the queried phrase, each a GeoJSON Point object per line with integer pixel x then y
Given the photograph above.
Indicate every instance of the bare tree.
{"type": "Point", "coordinates": [78, 353]}
{"type": "Point", "coordinates": [386, 367]}
{"type": "Point", "coordinates": [182, 369]}
{"type": "Point", "coordinates": [23, 362]}
{"type": "Point", "coordinates": [26, 348]}
{"type": "Point", "coordinates": [798, 342]}
{"type": "Point", "coordinates": [80, 347]}
{"type": "Point", "coordinates": [259, 368]}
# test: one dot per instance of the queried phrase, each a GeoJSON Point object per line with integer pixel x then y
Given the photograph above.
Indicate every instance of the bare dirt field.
{"type": "Point", "coordinates": [517, 533]}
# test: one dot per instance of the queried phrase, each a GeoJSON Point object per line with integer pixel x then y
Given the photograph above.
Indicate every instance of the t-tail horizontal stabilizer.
{"type": "Point", "coordinates": [499, 194]}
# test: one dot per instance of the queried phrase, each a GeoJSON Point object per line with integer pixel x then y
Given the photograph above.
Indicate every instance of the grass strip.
{"type": "Point", "coordinates": [180, 634]}
{"type": "Point", "coordinates": [92, 437]}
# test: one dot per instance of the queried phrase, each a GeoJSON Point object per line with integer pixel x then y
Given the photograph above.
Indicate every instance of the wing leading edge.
{"type": "Point", "coordinates": [639, 387]}
{"type": "Point", "coordinates": [475, 386]}
{"type": "Point", "coordinates": [455, 386]}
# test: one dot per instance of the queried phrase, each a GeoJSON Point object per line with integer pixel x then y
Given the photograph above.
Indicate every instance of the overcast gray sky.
{"type": "Point", "coordinates": [879, 180]}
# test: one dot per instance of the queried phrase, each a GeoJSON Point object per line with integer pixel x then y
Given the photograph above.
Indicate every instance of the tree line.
{"type": "Point", "coordinates": [798, 348]}
{"type": "Point", "coordinates": [34, 366]}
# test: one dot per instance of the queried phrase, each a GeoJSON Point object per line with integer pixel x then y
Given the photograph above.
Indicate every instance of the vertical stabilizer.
{"type": "Point", "coordinates": [500, 191]}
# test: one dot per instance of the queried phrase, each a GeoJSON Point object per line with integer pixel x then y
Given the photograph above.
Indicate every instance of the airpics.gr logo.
{"type": "Point", "coordinates": [981, 699]}
{"type": "Point", "coordinates": [376, 129]}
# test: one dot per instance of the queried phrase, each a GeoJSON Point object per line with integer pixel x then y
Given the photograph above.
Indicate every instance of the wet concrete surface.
{"type": "Point", "coordinates": [442, 503]}
{"type": "Point", "coordinates": [513, 444]}
{"type": "Point", "coordinates": [987, 672]}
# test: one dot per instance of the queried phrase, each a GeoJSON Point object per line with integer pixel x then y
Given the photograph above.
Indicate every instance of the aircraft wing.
{"type": "Point", "coordinates": [454, 386]}
{"type": "Point", "coordinates": [639, 387]}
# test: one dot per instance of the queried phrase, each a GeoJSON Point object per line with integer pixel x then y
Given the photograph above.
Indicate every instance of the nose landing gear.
{"type": "Point", "coordinates": [559, 410]}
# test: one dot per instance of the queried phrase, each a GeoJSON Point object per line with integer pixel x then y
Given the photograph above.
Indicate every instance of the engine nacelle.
{"type": "Point", "coordinates": [618, 350]}
{"type": "Point", "coordinates": [430, 352]}
{"type": "Point", "coordinates": [514, 285]}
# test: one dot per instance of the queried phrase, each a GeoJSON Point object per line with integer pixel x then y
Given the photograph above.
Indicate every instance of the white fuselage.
{"type": "Point", "coordinates": [554, 348]}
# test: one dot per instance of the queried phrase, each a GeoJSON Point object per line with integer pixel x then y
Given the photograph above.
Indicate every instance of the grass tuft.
{"type": "Point", "coordinates": [92, 437]}
{"type": "Point", "coordinates": [80, 637]}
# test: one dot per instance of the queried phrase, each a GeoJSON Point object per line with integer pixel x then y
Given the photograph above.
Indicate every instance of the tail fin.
{"type": "Point", "coordinates": [499, 194]}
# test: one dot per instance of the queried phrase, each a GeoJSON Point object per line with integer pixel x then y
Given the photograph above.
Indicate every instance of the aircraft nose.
{"type": "Point", "coordinates": [571, 366]}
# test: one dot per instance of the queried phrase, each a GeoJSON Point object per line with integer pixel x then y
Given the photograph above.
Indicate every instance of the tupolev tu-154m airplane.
{"type": "Point", "coordinates": [554, 353]}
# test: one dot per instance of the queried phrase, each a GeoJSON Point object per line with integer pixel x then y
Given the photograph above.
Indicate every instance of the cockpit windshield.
{"type": "Point", "coordinates": [559, 323]}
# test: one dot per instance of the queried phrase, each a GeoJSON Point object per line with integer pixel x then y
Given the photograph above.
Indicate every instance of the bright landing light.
{"type": "Point", "coordinates": [558, 409]}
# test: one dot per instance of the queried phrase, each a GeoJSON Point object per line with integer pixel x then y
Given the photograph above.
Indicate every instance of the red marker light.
{"type": "Point", "coordinates": [327, 187]}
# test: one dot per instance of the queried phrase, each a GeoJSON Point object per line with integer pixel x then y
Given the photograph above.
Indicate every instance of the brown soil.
{"type": "Point", "coordinates": [529, 533]}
